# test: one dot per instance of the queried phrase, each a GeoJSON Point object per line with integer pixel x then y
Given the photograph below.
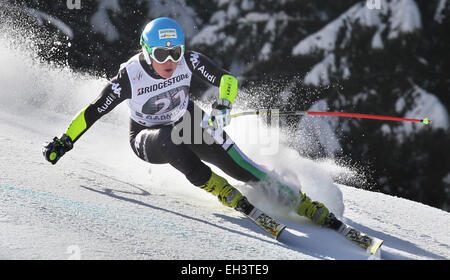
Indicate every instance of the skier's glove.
{"type": "Point", "coordinates": [54, 150]}
{"type": "Point", "coordinates": [220, 114]}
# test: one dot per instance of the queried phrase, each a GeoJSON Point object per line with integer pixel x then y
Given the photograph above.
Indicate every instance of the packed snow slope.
{"type": "Point", "coordinates": [106, 203]}
{"type": "Point", "coordinates": [102, 202]}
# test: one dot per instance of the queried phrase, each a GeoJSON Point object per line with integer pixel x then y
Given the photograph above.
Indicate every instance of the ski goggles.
{"type": "Point", "coordinates": [163, 54]}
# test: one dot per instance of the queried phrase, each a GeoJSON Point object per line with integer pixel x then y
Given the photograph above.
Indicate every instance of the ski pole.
{"type": "Point", "coordinates": [336, 114]}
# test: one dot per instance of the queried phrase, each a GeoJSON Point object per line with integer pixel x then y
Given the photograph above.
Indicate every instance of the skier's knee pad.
{"type": "Point", "coordinates": [146, 148]}
{"type": "Point", "coordinates": [162, 140]}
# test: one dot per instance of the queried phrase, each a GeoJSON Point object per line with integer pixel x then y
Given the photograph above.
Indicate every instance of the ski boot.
{"type": "Point", "coordinates": [315, 210]}
{"type": "Point", "coordinates": [227, 194]}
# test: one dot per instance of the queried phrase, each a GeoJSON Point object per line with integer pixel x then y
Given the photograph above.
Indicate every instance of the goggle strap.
{"type": "Point", "coordinates": [146, 46]}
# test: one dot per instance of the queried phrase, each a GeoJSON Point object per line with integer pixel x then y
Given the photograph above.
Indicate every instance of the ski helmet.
{"type": "Point", "coordinates": [162, 32]}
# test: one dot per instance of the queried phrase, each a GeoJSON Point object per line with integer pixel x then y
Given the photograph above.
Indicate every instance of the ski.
{"type": "Point", "coordinates": [266, 222]}
{"type": "Point", "coordinates": [369, 243]}
{"type": "Point", "coordinates": [263, 220]}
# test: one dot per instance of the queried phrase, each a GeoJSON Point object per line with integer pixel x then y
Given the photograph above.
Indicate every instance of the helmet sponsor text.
{"type": "Point", "coordinates": [167, 33]}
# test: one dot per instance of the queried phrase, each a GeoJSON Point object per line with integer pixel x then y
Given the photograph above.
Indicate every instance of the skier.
{"type": "Point", "coordinates": [156, 84]}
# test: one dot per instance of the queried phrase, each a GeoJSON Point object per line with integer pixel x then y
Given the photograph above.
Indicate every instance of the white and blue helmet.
{"type": "Point", "coordinates": [161, 32]}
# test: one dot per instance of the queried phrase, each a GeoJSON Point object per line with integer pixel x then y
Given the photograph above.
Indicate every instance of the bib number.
{"type": "Point", "coordinates": [165, 102]}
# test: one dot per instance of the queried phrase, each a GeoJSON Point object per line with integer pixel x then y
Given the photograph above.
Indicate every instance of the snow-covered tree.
{"type": "Point", "coordinates": [376, 56]}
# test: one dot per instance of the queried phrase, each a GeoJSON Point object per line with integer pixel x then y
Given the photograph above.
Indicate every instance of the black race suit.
{"type": "Point", "coordinates": [153, 142]}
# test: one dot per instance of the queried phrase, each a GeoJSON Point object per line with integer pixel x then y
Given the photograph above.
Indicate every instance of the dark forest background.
{"type": "Point", "coordinates": [378, 67]}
